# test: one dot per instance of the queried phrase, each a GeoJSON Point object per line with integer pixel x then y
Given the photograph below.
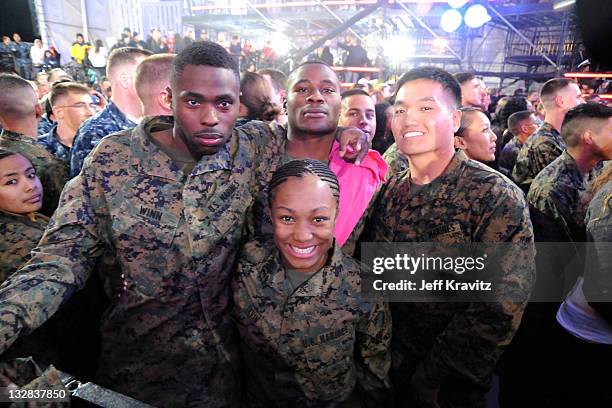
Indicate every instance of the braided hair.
{"type": "Point", "coordinates": [300, 168]}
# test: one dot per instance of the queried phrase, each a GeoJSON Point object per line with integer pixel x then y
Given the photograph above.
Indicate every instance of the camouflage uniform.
{"type": "Point", "coordinates": [20, 234]}
{"type": "Point", "coordinates": [168, 338]}
{"type": "Point", "coordinates": [308, 347]}
{"type": "Point", "coordinates": [45, 125]}
{"type": "Point", "coordinates": [396, 160]}
{"type": "Point", "coordinates": [529, 367]}
{"type": "Point", "coordinates": [103, 123]}
{"type": "Point", "coordinates": [455, 346]}
{"type": "Point", "coordinates": [554, 200]}
{"type": "Point", "coordinates": [51, 142]}
{"type": "Point", "coordinates": [507, 158]}
{"type": "Point", "coordinates": [540, 149]}
{"type": "Point", "coordinates": [53, 173]}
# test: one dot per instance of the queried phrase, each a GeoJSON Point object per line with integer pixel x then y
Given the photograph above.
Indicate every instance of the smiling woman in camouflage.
{"type": "Point", "coordinates": [306, 330]}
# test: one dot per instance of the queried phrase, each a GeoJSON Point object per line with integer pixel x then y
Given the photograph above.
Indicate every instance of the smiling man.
{"type": "Point", "coordinates": [313, 111]}
{"type": "Point", "coordinates": [167, 201]}
{"type": "Point", "coordinates": [444, 353]}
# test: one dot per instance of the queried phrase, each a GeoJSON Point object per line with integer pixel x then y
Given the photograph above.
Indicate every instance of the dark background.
{"type": "Point", "coordinates": [16, 16]}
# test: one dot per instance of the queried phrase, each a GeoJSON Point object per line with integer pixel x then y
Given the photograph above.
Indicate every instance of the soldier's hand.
{"type": "Point", "coordinates": [424, 393]}
{"type": "Point", "coordinates": [354, 144]}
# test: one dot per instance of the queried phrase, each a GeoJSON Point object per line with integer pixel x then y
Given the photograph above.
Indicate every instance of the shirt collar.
{"type": "Point", "coordinates": [146, 157]}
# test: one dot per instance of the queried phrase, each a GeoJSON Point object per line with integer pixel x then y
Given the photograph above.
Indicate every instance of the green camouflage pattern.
{"type": "Point", "coordinates": [396, 160]}
{"type": "Point", "coordinates": [52, 172]}
{"type": "Point", "coordinates": [167, 338]}
{"type": "Point", "coordinates": [312, 346]}
{"type": "Point", "coordinates": [20, 234]}
{"type": "Point", "coordinates": [455, 346]}
{"type": "Point", "coordinates": [507, 158]}
{"type": "Point", "coordinates": [555, 202]}
{"type": "Point", "coordinates": [27, 375]}
{"type": "Point", "coordinates": [540, 149]}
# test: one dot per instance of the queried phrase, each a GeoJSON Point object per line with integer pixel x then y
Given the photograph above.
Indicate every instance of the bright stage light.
{"type": "Point", "coordinates": [397, 48]}
{"type": "Point", "coordinates": [450, 20]}
{"type": "Point", "coordinates": [457, 3]}
{"type": "Point", "coordinates": [280, 43]}
{"type": "Point", "coordinates": [476, 16]}
{"type": "Point", "coordinates": [439, 44]}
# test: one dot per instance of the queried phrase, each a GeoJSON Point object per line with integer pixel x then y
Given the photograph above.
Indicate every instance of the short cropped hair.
{"type": "Point", "coordinates": [152, 72]}
{"type": "Point", "coordinates": [124, 56]}
{"type": "Point", "coordinates": [12, 104]}
{"type": "Point", "coordinates": [309, 62]}
{"type": "Point", "coordinates": [203, 53]}
{"type": "Point", "coordinates": [552, 87]}
{"type": "Point", "coordinates": [582, 118]}
{"type": "Point", "coordinates": [515, 120]}
{"type": "Point", "coordinates": [353, 92]}
{"type": "Point", "coordinates": [444, 78]}
{"type": "Point", "coordinates": [463, 77]}
{"type": "Point", "coordinates": [62, 89]}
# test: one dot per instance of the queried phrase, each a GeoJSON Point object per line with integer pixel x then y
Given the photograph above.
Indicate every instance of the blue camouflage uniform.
{"type": "Point", "coordinates": [45, 125]}
{"type": "Point", "coordinates": [22, 55]}
{"type": "Point", "coordinates": [103, 123]}
{"type": "Point", "coordinates": [50, 142]}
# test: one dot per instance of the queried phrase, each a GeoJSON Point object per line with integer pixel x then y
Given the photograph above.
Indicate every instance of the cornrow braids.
{"type": "Point", "coordinates": [300, 168]}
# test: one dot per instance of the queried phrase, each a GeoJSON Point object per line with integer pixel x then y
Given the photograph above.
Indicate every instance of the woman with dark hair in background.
{"type": "Point", "coordinates": [475, 136]}
{"type": "Point", "coordinates": [383, 137]}
{"type": "Point", "coordinates": [21, 197]}
{"type": "Point", "coordinates": [97, 57]}
{"type": "Point", "coordinates": [256, 96]}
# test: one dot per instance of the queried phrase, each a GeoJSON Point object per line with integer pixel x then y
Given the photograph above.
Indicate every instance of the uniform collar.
{"type": "Point", "coordinates": [273, 274]}
{"type": "Point", "coordinates": [147, 158]}
{"type": "Point", "coordinates": [451, 172]}
{"type": "Point", "coordinates": [572, 168]}
{"type": "Point", "coordinates": [113, 111]}
{"type": "Point", "coordinates": [17, 137]}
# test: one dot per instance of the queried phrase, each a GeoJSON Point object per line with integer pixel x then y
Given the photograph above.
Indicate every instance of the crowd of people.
{"type": "Point", "coordinates": [198, 226]}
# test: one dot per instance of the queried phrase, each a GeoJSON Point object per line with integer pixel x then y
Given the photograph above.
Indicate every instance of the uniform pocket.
{"type": "Point", "coordinates": [331, 373]}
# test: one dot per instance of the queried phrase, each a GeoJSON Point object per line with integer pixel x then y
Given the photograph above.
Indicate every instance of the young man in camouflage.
{"type": "Point", "coordinates": [557, 209]}
{"type": "Point", "coordinates": [122, 112]}
{"type": "Point", "coordinates": [19, 114]}
{"type": "Point", "coordinates": [169, 200]}
{"type": "Point", "coordinates": [522, 124]}
{"type": "Point", "coordinates": [444, 353]}
{"type": "Point", "coordinates": [558, 96]}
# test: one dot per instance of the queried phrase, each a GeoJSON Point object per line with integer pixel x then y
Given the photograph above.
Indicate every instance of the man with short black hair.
{"type": "Point", "coordinates": [167, 200]}
{"type": "Point", "coordinates": [558, 95]}
{"type": "Point", "coordinates": [471, 91]}
{"type": "Point", "coordinates": [71, 104]}
{"type": "Point", "coordinates": [522, 125]}
{"type": "Point", "coordinates": [444, 353]}
{"type": "Point", "coordinates": [122, 112]}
